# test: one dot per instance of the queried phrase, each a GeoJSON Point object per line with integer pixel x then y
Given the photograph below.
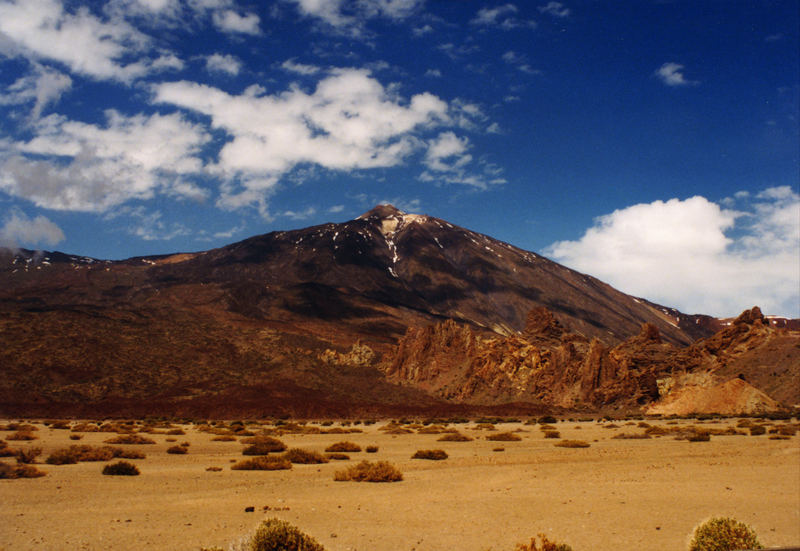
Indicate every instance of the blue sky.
{"type": "Point", "coordinates": [651, 144]}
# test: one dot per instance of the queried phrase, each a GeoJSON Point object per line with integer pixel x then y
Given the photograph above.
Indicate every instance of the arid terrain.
{"type": "Point", "coordinates": [645, 493]}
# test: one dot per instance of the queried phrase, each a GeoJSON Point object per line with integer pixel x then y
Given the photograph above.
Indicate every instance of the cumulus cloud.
{"type": "Point", "coordinates": [556, 9]}
{"type": "Point", "coordinates": [349, 122]}
{"type": "Point", "coordinates": [350, 16]}
{"type": "Point", "coordinates": [671, 74]}
{"type": "Point", "coordinates": [71, 165]}
{"type": "Point", "coordinates": [501, 16]}
{"type": "Point", "coordinates": [697, 256]}
{"type": "Point", "coordinates": [87, 44]}
{"type": "Point", "coordinates": [223, 63]}
{"type": "Point", "coordinates": [233, 22]}
{"type": "Point", "coordinates": [44, 86]}
{"type": "Point", "coordinates": [19, 230]}
{"type": "Point", "coordinates": [300, 68]}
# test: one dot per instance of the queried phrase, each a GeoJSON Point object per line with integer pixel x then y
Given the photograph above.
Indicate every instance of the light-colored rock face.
{"type": "Point", "coordinates": [734, 397]}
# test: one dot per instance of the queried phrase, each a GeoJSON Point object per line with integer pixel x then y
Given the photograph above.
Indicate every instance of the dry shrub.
{"type": "Point", "coordinates": [546, 545]}
{"type": "Point", "coordinates": [263, 463]}
{"type": "Point", "coordinates": [77, 453]}
{"type": "Point", "coordinates": [338, 456]}
{"type": "Point", "coordinates": [21, 427]}
{"type": "Point", "coordinates": [84, 427]}
{"type": "Point", "coordinates": [121, 468]}
{"type": "Point", "coordinates": [214, 469]}
{"type": "Point", "coordinates": [262, 445]}
{"type": "Point", "coordinates": [343, 447]}
{"type": "Point", "coordinates": [27, 455]}
{"type": "Point", "coordinates": [75, 436]}
{"type": "Point", "coordinates": [371, 449]}
{"type": "Point", "coordinates": [20, 470]}
{"type": "Point", "coordinates": [699, 437]}
{"type": "Point", "coordinates": [631, 436]}
{"type": "Point", "coordinates": [130, 439]}
{"type": "Point", "coordinates": [224, 438]}
{"type": "Point", "coordinates": [504, 437]}
{"type": "Point", "coordinates": [454, 437]}
{"type": "Point", "coordinates": [723, 534]}
{"type": "Point", "coordinates": [304, 457]}
{"type": "Point", "coordinates": [432, 429]}
{"type": "Point", "coordinates": [177, 450]}
{"type": "Point", "coordinates": [552, 434]}
{"type": "Point", "coordinates": [498, 449]}
{"type": "Point", "coordinates": [435, 455]}
{"type": "Point", "coordinates": [572, 444]}
{"type": "Point", "coordinates": [757, 430]}
{"type": "Point", "coordinates": [655, 430]}
{"type": "Point", "coordinates": [779, 437]}
{"type": "Point", "coordinates": [5, 451]}
{"type": "Point", "coordinates": [546, 427]}
{"type": "Point", "coordinates": [176, 432]}
{"type": "Point", "coordinates": [382, 471]}
{"type": "Point", "coordinates": [484, 426]}
{"type": "Point", "coordinates": [279, 535]}
{"type": "Point", "coordinates": [22, 435]}
{"type": "Point", "coordinates": [59, 425]}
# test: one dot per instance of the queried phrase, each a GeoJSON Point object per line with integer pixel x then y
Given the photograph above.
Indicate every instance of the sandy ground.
{"type": "Point", "coordinates": [616, 494]}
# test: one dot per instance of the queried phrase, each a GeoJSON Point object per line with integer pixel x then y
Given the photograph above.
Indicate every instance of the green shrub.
{"type": "Point", "coordinates": [263, 463]}
{"type": "Point", "coordinates": [454, 437]}
{"type": "Point", "coordinates": [435, 455]}
{"type": "Point", "coordinates": [723, 534]}
{"type": "Point", "coordinates": [279, 535]}
{"type": "Point", "coordinates": [546, 545]}
{"type": "Point", "coordinates": [121, 468]}
{"type": "Point", "coordinates": [343, 447]}
{"type": "Point", "coordinates": [382, 471]}
{"type": "Point", "coordinates": [304, 457]}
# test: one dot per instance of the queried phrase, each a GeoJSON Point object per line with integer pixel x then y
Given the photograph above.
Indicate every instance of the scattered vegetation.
{"type": "Point", "coordinates": [27, 455]}
{"type": "Point", "coordinates": [304, 457]}
{"type": "Point", "coordinates": [177, 450]}
{"type": "Point", "coordinates": [130, 439]}
{"type": "Point", "coordinates": [504, 437]}
{"type": "Point", "coordinates": [343, 447]}
{"type": "Point", "coordinates": [757, 430]}
{"type": "Point", "coordinates": [77, 453]}
{"type": "Point", "coordinates": [262, 445]}
{"type": "Point", "coordinates": [263, 463]}
{"type": "Point", "coordinates": [23, 434]}
{"type": "Point", "coordinates": [20, 470]}
{"type": "Point", "coordinates": [552, 434]}
{"type": "Point", "coordinates": [338, 456]}
{"type": "Point", "coordinates": [454, 437]}
{"type": "Point", "coordinates": [436, 455]}
{"type": "Point", "coordinates": [545, 545]}
{"type": "Point", "coordinates": [382, 471]}
{"type": "Point", "coordinates": [723, 534]}
{"type": "Point", "coordinates": [371, 449]}
{"type": "Point", "coordinates": [121, 468]}
{"type": "Point", "coordinates": [631, 436]}
{"type": "Point", "coordinates": [224, 438]}
{"type": "Point", "coordinates": [572, 444]}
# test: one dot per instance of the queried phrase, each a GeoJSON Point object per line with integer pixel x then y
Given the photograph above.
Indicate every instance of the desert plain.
{"type": "Point", "coordinates": [487, 495]}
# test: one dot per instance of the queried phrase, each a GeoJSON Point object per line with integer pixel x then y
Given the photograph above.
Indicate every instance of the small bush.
{"type": "Point", "coordinates": [224, 438]}
{"type": "Point", "coordinates": [22, 435]}
{"type": "Point", "coordinates": [382, 471]}
{"type": "Point", "coordinates": [699, 437]}
{"type": "Point", "coordinates": [546, 545]}
{"type": "Point", "coordinates": [547, 420]}
{"type": "Point", "coordinates": [121, 468]}
{"type": "Point", "coordinates": [343, 447]}
{"type": "Point", "coordinates": [214, 469]}
{"type": "Point", "coordinates": [177, 449]}
{"type": "Point", "coordinates": [454, 437]}
{"type": "Point", "coordinates": [263, 463]}
{"type": "Point", "coordinates": [371, 449]}
{"type": "Point", "coordinates": [75, 436]}
{"type": "Point", "coordinates": [262, 445]}
{"type": "Point", "coordinates": [504, 437]}
{"type": "Point", "coordinates": [572, 444]}
{"type": "Point", "coordinates": [338, 456]}
{"type": "Point", "coordinates": [552, 434]}
{"type": "Point", "coordinates": [130, 439]}
{"type": "Point", "coordinates": [28, 455]}
{"type": "Point", "coordinates": [304, 457]}
{"type": "Point", "coordinates": [279, 535]}
{"type": "Point", "coordinates": [435, 455]}
{"type": "Point", "coordinates": [631, 436]}
{"type": "Point", "coordinates": [757, 430]}
{"type": "Point", "coordinates": [19, 471]}
{"type": "Point", "coordinates": [723, 534]}
{"type": "Point", "coordinates": [176, 432]}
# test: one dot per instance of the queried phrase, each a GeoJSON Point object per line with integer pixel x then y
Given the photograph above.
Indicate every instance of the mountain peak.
{"type": "Point", "coordinates": [384, 210]}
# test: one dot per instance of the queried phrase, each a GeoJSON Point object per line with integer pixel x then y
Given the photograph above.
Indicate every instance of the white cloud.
{"type": "Point", "coordinates": [43, 29]}
{"type": "Point", "coordinates": [502, 16]}
{"type": "Point", "coordinates": [300, 215]}
{"type": "Point", "coordinates": [520, 61]}
{"type": "Point", "coordinates": [696, 256]}
{"type": "Point", "coordinates": [233, 22]}
{"type": "Point", "coordinates": [447, 146]}
{"type": "Point", "coordinates": [19, 230]}
{"type": "Point", "coordinates": [44, 86]}
{"type": "Point", "coordinates": [671, 74]}
{"type": "Point", "coordinates": [84, 167]}
{"type": "Point", "coordinates": [350, 16]}
{"type": "Point", "coordinates": [335, 209]}
{"type": "Point", "coordinates": [300, 68]}
{"type": "Point", "coordinates": [223, 63]}
{"type": "Point", "coordinates": [435, 73]}
{"type": "Point", "coordinates": [349, 122]}
{"type": "Point", "coordinates": [556, 9]}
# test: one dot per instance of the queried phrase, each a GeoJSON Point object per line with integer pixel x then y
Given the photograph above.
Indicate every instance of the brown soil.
{"type": "Point", "coordinates": [616, 494]}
